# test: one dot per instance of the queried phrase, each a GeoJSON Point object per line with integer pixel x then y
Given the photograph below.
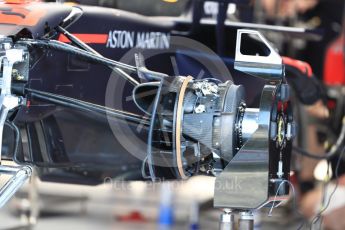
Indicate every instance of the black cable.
{"type": "Point", "coordinates": [319, 215]}
{"type": "Point", "coordinates": [17, 139]}
{"type": "Point", "coordinates": [146, 94]}
{"type": "Point", "coordinates": [143, 169]}
{"type": "Point", "coordinates": [328, 155]}
{"type": "Point", "coordinates": [152, 124]}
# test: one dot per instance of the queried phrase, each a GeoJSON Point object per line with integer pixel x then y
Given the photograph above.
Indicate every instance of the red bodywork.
{"type": "Point", "coordinates": [302, 66]}
{"type": "Point", "coordinates": [334, 69]}
{"type": "Point", "coordinates": [19, 14]}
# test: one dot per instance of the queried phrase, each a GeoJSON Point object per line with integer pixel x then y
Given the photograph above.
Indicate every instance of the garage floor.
{"type": "Point", "coordinates": [88, 208]}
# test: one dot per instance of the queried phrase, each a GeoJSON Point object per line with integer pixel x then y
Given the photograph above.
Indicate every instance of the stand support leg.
{"type": "Point", "coordinates": [227, 220]}
{"type": "Point", "coordinates": [246, 221]}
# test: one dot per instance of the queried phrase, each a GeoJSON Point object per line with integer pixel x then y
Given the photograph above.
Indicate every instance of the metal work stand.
{"type": "Point", "coordinates": [10, 55]}
{"type": "Point", "coordinates": [249, 182]}
{"type": "Point", "coordinates": [20, 176]}
{"type": "Point", "coordinates": [227, 220]}
{"type": "Point", "coordinates": [245, 221]}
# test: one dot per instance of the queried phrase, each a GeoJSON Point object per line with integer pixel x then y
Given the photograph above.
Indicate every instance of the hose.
{"type": "Point", "coordinates": [328, 155]}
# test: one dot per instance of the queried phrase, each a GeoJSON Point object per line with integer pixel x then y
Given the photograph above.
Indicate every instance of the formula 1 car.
{"type": "Point", "coordinates": [90, 93]}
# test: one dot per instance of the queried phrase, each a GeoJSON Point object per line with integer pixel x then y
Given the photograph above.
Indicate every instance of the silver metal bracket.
{"type": "Point", "coordinates": [265, 62]}
{"type": "Point", "coordinates": [8, 57]}
{"type": "Point", "coordinates": [227, 220]}
{"type": "Point", "coordinates": [20, 176]}
{"type": "Point", "coordinates": [246, 221]}
{"type": "Point", "coordinates": [244, 183]}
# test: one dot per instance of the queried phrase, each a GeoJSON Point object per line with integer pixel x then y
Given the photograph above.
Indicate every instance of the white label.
{"type": "Point", "coordinates": [122, 39]}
